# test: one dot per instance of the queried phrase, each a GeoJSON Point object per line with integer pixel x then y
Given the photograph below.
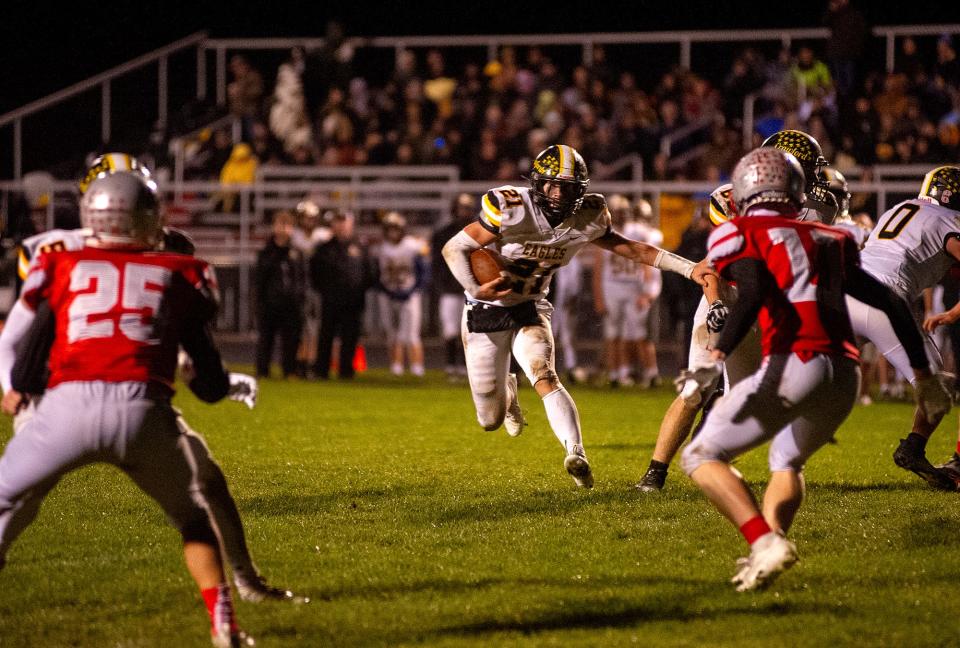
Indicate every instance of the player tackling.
{"type": "Point", "coordinates": [537, 229]}
{"type": "Point", "coordinates": [793, 275]}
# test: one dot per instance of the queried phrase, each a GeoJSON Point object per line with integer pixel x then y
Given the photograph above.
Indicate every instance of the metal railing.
{"type": "Point", "coordinates": [203, 44]}
{"type": "Point", "coordinates": [159, 56]}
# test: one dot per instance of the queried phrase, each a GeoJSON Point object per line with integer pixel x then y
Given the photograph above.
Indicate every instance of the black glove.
{"type": "Point", "coordinates": [717, 316]}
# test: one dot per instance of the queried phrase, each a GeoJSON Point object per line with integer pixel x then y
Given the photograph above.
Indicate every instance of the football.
{"type": "Point", "coordinates": [486, 264]}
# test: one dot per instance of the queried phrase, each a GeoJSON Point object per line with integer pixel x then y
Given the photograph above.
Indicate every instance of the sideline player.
{"type": "Point", "coordinates": [819, 205]}
{"type": "Point", "coordinates": [622, 296]}
{"type": "Point", "coordinates": [23, 362]}
{"type": "Point", "coordinates": [403, 272]}
{"type": "Point", "coordinates": [121, 312]}
{"type": "Point", "coordinates": [913, 245]}
{"type": "Point", "coordinates": [537, 229]}
{"type": "Point", "coordinates": [793, 275]}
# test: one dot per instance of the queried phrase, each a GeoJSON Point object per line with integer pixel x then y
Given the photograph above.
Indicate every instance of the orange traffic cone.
{"type": "Point", "coordinates": [360, 359]}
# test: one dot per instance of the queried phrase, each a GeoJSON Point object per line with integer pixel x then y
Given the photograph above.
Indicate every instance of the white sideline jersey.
{"type": "Point", "coordinates": [398, 263]}
{"type": "Point", "coordinates": [907, 248]}
{"type": "Point", "coordinates": [55, 240]}
{"type": "Point", "coordinates": [534, 249]}
{"type": "Point", "coordinates": [623, 273]}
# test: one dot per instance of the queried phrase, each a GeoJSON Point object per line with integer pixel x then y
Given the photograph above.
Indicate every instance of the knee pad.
{"type": "Point", "coordinates": [491, 417]}
{"type": "Point", "coordinates": [542, 369]}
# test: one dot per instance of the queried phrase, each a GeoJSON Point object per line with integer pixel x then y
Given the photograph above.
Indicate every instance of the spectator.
{"type": "Point", "coordinates": [280, 289]}
{"type": "Point", "coordinates": [848, 33]}
{"type": "Point", "coordinates": [450, 291]}
{"type": "Point", "coordinates": [288, 115]}
{"type": "Point", "coordinates": [245, 92]}
{"type": "Point", "coordinates": [341, 270]}
{"type": "Point", "coordinates": [240, 169]}
{"type": "Point", "coordinates": [811, 74]}
{"type": "Point", "coordinates": [947, 65]}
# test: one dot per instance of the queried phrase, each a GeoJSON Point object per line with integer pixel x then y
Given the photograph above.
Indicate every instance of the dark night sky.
{"type": "Point", "coordinates": [43, 49]}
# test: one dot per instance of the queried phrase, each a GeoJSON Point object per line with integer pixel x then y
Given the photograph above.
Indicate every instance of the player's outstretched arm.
{"type": "Point", "coordinates": [457, 251]}
{"type": "Point", "coordinates": [654, 256]}
{"type": "Point", "coordinates": [754, 283]}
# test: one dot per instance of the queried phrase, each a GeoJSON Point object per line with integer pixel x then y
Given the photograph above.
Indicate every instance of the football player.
{"type": "Point", "coordinates": [24, 354]}
{"type": "Point", "coordinates": [712, 312]}
{"type": "Point", "coordinates": [121, 312]}
{"type": "Point", "coordinates": [403, 273]}
{"type": "Point", "coordinates": [913, 245]}
{"type": "Point", "coordinates": [793, 275]}
{"type": "Point", "coordinates": [537, 229]}
{"type": "Point", "coordinates": [622, 296]}
{"type": "Point", "coordinates": [645, 230]}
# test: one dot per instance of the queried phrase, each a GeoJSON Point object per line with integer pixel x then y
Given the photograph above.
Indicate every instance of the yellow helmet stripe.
{"type": "Point", "coordinates": [566, 161]}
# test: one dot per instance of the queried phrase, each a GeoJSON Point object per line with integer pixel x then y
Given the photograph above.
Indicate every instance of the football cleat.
{"type": "Point", "coordinates": [224, 637]}
{"type": "Point", "coordinates": [653, 480]}
{"type": "Point", "coordinates": [771, 555]}
{"type": "Point", "coordinates": [257, 590]}
{"type": "Point", "coordinates": [579, 468]}
{"type": "Point", "coordinates": [951, 468]}
{"type": "Point", "coordinates": [513, 421]}
{"type": "Point", "coordinates": [909, 459]}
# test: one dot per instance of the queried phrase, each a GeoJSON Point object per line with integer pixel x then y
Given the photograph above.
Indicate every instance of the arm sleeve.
{"type": "Point", "coordinates": [29, 374]}
{"type": "Point", "coordinates": [210, 382]}
{"type": "Point", "coordinates": [753, 284]}
{"type": "Point", "coordinates": [862, 286]}
{"type": "Point", "coordinates": [17, 326]}
{"type": "Point", "coordinates": [457, 254]}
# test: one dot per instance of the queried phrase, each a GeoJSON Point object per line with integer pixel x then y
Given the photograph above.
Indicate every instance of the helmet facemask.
{"type": "Point", "coordinates": [557, 208]}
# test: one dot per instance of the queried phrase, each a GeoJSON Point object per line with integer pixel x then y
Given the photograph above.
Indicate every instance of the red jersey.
{"type": "Point", "coordinates": [795, 253]}
{"type": "Point", "coordinates": [119, 314]}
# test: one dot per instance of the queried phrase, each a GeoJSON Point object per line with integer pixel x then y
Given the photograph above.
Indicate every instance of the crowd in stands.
{"type": "Point", "coordinates": [491, 117]}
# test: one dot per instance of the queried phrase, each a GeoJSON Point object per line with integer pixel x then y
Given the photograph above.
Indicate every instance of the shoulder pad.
{"type": "Point", "coordinates": [725, 241]}
{"type": "Point", "coordinates": [594, 201]}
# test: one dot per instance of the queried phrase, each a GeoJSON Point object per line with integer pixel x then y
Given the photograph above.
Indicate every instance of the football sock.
{"type": "Point", "coordinates": [753, 528]}
{"type": "Point", "coordinates": [658, 465]}
{"type": "Point", "coordinates": [416, 369]}
{"type": "Point", "coordinates": [219, 606]}
{"type": "Point", "coordinates": [625, 373]}
{"type": "Point", "coordinates": [563, 417]}
{"type": "Point", "coordinates": [396, 369]}
{"type": "Point", "coordinates": [916, 442]}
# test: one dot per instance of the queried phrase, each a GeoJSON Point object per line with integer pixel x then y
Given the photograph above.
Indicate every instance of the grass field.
{"type": "Point", "coordinates": [408, 524]}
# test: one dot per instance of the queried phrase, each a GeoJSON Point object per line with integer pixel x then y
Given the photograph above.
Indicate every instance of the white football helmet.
{"type": "Point", "coordinates": [122, 209]}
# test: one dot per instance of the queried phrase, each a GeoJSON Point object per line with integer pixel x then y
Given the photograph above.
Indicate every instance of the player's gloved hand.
{"type": "Point", "coordinates": [243, 389]}
{"type": "Point", "coordinates": [933, 398]}
{"type": "Point", "coordinates": [717, 316]}
{"type": "Point", "coordinates": [826, 207]}
{"type": "Point", "coordinates": [695, 383]}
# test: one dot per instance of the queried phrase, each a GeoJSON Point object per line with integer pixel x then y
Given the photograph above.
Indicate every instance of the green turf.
{"type": "Point", "coordinates": [407, 524]}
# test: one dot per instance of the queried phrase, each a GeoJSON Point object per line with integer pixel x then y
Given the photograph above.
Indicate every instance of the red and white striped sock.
{"type": "Point", "coordinates": [220, 607]}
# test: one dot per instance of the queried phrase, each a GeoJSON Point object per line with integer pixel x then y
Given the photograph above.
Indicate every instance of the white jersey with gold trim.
{"type": "Point", "coordinates": [907, 248]}
{"type": "Point", "coordinates": [55, 240]}
{"type": "Point", "coordinates": [398, 263]}
{"type": "Point", "coordinates": [534, 249]}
